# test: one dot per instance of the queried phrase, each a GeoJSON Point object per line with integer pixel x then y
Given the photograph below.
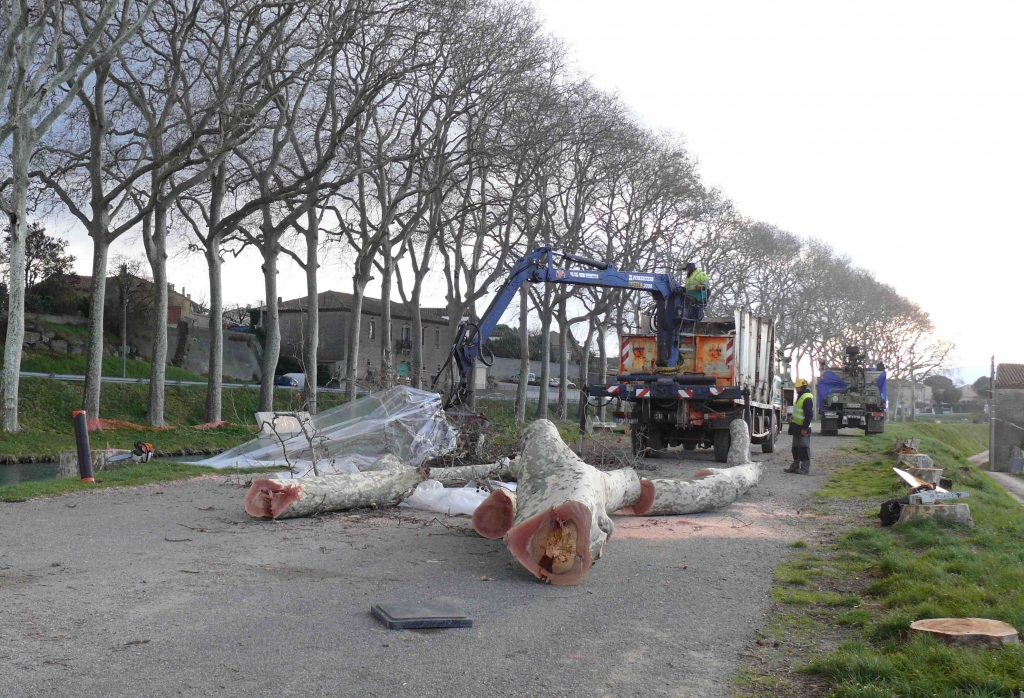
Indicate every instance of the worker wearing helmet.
{"type": "Point", "coordinates": [800, 428]}
{"type": "Point", "coordinates": [696, 292]}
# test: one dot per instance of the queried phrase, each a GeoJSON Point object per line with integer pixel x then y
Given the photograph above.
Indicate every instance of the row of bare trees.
{"type": "Point", "coordinates": [432, 141]}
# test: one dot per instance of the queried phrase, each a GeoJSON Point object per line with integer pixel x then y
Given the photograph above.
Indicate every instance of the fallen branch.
{"type": "Point", "coordinates": [282, 499]}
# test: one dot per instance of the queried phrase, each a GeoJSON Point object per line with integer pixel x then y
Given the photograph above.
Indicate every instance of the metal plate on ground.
{"type": "Point", "coordinates": [404, 616]}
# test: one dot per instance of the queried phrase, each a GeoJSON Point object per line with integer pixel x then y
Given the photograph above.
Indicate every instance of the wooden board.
{"type": "Point", "coordinates": [981, 631]}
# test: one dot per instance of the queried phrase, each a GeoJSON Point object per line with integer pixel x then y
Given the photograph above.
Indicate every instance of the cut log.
{"type": "Point", "coordinates": [739, 443]}
{"type": "Point", "coordinates": [960, 513]}
{"type": "Point", "coordinates": [282, 499]}
{"type": "Point", "coordinates": [969, 631]}
{"type": "Point", "coordinates": [914, 460]}
{"type": "Point", "coordinates": [561, 521]}
{"type": "Point", "coordinates": [460, 475]}
{"type": "Point", "coordinates": [932, 475]}
{"type": "Point", "coordinates": [676, 497]}
{"type": "Point", "coordinates": [496, 514]}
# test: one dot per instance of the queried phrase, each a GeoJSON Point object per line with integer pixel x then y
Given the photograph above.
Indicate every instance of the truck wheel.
{"type": "Point", "coordinates": [655, 441]}
{"type": "Point", "coordinates": [769, 445]}
{"type": "Point", "coordinates": [722, 442]}
{"type": "Point", "coordinates": [638, 439]}
{"type": "Point", "coordinates": [689, 446]}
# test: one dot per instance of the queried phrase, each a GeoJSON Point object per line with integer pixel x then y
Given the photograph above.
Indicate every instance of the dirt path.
{"type": "Point", "coordinates": [174, 590]}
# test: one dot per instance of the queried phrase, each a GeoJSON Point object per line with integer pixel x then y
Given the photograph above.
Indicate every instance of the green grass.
{"type": "Point", "coordinates": [921, 569]}
{"type": "Point", "coordinates": [74, 364]}
{"type": "Point", "coordinates": [46, 405]}
{"type": "Point", "coordinates": [506, 433]}
{"type": "Point", "coordinates": [145, 474]}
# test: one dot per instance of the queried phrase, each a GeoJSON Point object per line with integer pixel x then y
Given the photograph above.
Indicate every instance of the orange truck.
{"type": "Point", "coordinates": [727, 370]}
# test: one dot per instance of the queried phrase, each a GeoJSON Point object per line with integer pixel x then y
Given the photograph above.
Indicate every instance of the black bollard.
{"type": "Point", "coordinates": [82, 441]}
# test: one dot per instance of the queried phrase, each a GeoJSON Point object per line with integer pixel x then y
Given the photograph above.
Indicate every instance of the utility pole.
{"type": "Point", "coordinates": [992, 417]}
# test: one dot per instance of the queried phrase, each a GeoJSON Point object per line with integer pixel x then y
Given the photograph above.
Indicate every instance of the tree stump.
{"type": "Point", "coordinates": [930, 475]}
{"type": "Point", "coordinates": [969, 631]}
{"type": "Point", "coordinates": [915, 460]}
{"type": "Point", "coordinates": [960, 513]}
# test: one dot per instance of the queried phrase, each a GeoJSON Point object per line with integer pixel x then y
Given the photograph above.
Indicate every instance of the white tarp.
{"type": "Point", "coordinates": [403, 421]}
{"type": "Point", "coordinates": [431, 495]}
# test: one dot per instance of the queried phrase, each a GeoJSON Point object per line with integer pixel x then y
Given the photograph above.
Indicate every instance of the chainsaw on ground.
{"type": "Point", "coordinates": [142, 452]}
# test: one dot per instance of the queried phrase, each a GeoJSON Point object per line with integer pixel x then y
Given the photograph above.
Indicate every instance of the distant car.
{"type": "Point", "coordinates": [554, 383]}
{"type": "Point", "coordinates": [531, 378]}
{"type": "Point", "coordinates": [291, 380]}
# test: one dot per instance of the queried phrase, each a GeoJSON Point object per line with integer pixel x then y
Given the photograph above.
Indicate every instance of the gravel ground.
{"type": "Point", "coordinates": [173, 590]}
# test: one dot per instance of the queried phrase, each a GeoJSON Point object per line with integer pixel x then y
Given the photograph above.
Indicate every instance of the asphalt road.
{"type": "Point", "coordinates": [173, 590]}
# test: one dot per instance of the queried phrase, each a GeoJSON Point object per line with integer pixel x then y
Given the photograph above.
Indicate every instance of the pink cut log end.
{"type": "Point", "coordinates": [266, 499]}
{"type": "Point", "coordinates": [701, 474]}
{"type": "Point", "coordinates": [646, 501]}
{"type": "Point", "coordinates": [563, 529]}
{"type": "Point", "coordinates": [495, 515]}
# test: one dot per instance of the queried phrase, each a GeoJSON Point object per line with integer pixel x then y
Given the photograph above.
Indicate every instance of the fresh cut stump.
{"type": "Point", "coordinates": [561, 521]}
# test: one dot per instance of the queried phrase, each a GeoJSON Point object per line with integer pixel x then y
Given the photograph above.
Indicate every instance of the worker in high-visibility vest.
{"type": "Point", "coordinates": [696, 293]}
{"type": "Point", "coordinates": [800, 428]}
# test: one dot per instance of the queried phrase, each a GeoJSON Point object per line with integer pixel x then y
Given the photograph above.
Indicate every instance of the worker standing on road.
{"type": "Point", "coordinates": [800, 428]}
{"type": "Point", "coordinates": [696, 292]}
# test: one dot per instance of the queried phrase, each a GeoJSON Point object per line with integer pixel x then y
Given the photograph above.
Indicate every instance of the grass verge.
{"type": "Point", "coordinates": [843, 608]}
{"type": "Point", "coordinates": [129, 476]}
{"type": "Point", "coordinates": [46, 405]}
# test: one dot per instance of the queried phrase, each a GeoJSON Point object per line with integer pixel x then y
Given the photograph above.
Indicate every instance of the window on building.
{"type": "Point", "coordinates": [371, 329]}
{"type": "Point", "coordinates": [407, 334]}
{"type": "Point", "coordinates": [423, 339]}
{"type": "Point", "coordinates": [437, 339]}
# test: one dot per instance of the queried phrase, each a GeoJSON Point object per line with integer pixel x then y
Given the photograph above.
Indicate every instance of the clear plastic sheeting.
{"type": "Point", "coordinates": [431, 495]}
{"type": "Point", "coordinates": [403, 421]}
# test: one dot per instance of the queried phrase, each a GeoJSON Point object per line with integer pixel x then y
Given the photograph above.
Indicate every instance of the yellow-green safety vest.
{"type": "Point", "coordinates": [798, 409]}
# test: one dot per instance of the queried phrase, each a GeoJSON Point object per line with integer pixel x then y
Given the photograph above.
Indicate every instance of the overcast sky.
{"type": "Point", "coordinates": [893, 130]}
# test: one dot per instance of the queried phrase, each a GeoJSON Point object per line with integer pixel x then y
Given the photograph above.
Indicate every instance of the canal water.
{"type": "Point", "coordinates": [24, 472]}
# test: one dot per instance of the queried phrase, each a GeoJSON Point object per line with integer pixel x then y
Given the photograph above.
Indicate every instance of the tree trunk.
{"type": "Point", "coordinates": [94, 359]}
{"type": "Point", "coordinates": [545, 354]}
{"type": "Point", "coordinates": [387, 340]}
{"type": "Point", "coordinates": [156, 250]}
{"type": "Point", "coordinates": [584, 377]}
{"type": "Point", "coordinates": [271, 328]}
{"type": "Point", "coordinates": [524, 354]}
{"type": "Point", "coordinates": [215, 375]}
{"type": "Point", "coordinates": [675, 497]}
{"type": "Point", "coordinates": [284, 499]}
{"type": "Point", "coordinates": [352, 340]}
{"type": "Point", "coordinates": [311, 336]}
{"type": "Point", "coordinates": [602, 353]}
{"type": "Point", "coordinates": [563, 360]}
{"type": "Point", "coordinates": [913, 397]}
{"type": "Point", "coordinates": [562, 523]}
{"type": "Point", "coordinates": [416, 369]}
{"type": "Point", "coordinates": [16, 293]}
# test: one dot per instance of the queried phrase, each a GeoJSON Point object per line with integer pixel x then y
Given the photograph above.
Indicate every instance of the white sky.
{"type": "Point", "coordinates": [893, 130]}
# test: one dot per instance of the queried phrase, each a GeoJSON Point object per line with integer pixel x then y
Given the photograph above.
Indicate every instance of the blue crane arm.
{"type": "Point", "coordinates": [540, 267]}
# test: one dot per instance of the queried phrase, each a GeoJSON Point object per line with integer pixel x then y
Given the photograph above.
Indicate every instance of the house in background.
{"type": "Point", "coordinates": [1008, 405]}
{"type": "Point", "coordinates": [336, 319]}
{"type": "Point", "coordinates": [900, 392]}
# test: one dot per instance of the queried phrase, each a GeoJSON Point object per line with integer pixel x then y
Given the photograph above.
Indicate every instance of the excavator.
{"type": "Point", "coordinates": [685, 383]}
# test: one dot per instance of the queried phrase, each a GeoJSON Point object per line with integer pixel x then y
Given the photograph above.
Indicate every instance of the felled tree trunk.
{"type": "Point", "coordinates": [561, 521]}
{"type": "Point", "coordinates": [676, 497]}
{"type": "Point", "coordinates": [283, 499]}
{"type": "Point", "coordinates": [711, 487]}
{"type": "Point", "coordinates": [496, 514]}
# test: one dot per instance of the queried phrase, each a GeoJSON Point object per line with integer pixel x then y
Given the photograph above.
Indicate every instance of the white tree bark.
{"type": "Point", "coordinates": [155, 239]}
{"type": "Point", "coordinates": [720, 488]}
{"type": "Point", "coordinates": [462, 474]}
{"type": "Point", "coordinates": [562, 523]}
{"type": "Point", "coordinates": [282, 499]}
{"type": "Point", "coordinates": [272, 328]}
